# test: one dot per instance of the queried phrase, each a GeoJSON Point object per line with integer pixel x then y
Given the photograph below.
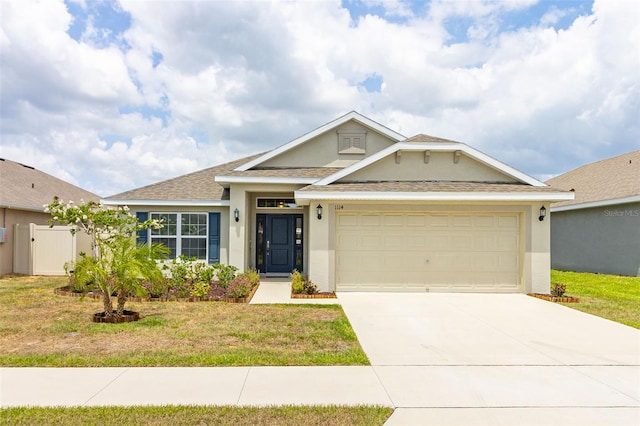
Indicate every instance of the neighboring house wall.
{"type": "Point", "coordinates": [600, 239]}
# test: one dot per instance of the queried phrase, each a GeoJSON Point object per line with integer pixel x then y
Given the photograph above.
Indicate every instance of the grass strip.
{"type": "Point", "coordinates": [197, 415]}
{"type": "Point", "coordinates": [613, 297]}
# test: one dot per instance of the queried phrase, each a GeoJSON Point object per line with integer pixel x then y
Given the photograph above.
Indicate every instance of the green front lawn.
{"type": "Point", "coordinates": [38, 328]}
{"type": "Point", "coordinates": [197, 415]}
{"type": "Point", "coordinates": [609, 296]}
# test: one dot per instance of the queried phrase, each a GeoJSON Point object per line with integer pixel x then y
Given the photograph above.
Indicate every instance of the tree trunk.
{"type": "Point", "coordinates": [108, 305]}
{"type": "Point", "coordinates": [122, 298]}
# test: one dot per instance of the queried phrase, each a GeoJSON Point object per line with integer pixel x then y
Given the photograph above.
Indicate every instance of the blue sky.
{"type": "Point", "coordinates": [111, 95]}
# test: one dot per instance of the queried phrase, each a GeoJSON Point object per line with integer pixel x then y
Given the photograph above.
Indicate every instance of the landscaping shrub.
{"type": "Point", "coordinates": [301, 285]}
{"type": "Point", "coordinates": [242, 285]}
{"type": "Point", "coordinates": [156, 288]}
{"type": "Point", "coordinates": [224, 274]}
{"type": "Point", "coordinates": [80, 280]}
{"type": "Point", "coordinates": [199, 289]}
{"type": "Point", "coordinates": [558, 289]}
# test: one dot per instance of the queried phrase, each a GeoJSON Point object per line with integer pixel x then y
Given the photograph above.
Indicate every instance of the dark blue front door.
{"type": "Point", "coordinates": [279, 243]}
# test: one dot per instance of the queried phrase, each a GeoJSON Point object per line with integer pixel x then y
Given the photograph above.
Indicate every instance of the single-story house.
{"type": "Point", "coordinates": [23, 192]}
{"type": "Point", "coordinates": [360, 207]}
{"type": "Point", "coordinates": [599, 230]}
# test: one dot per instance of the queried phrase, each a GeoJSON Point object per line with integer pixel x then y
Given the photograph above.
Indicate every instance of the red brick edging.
{"type": "Point", "coordinates": [329, 295]}
{"type": "Point", "coordinates": [561, 299]}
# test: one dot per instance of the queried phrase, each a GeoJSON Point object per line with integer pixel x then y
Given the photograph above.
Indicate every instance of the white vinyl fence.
{"type": "Point", "coordinates": [41, 250]}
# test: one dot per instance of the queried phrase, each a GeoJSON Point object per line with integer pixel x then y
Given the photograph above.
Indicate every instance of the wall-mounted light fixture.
{"type": "Point", "coordinates": [319, 211]}
{"type": "Point", "coordinates": [543, 213]}
{"type": "Point", "coordinates": [236, 215]}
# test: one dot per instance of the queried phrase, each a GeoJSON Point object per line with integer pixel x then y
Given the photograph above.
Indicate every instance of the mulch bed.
{"type": "Point", "coordinates": [127, 316]}
{"type": "Point", "coordinates": [216, 294]}
{"type": "Point", "coordinates": [550, 298]}
{"type": "Point", "coordinates": [322, 295]}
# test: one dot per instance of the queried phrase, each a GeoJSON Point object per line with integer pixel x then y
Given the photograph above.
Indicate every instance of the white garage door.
{"type": "Point", "coordinates": [403, 251]}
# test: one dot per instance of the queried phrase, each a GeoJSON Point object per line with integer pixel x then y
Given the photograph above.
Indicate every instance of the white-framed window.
{"type": "Point", "coordinates": [183, 233]}
{"type": "Point", "coordinates": [352, 142]}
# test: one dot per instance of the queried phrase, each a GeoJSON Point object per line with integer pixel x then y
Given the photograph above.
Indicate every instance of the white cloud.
{"type": "Point", "coordinates": [242, 77]}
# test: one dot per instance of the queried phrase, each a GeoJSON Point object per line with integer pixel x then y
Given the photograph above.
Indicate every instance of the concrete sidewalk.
{"type": "Point", "coordinates": [439, 395]}
{"type": "Point", "coordinates": [437, 359]}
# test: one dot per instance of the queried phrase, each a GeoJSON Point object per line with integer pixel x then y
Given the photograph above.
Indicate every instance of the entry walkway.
{"type": "Point", "coordinates": [438, 359]}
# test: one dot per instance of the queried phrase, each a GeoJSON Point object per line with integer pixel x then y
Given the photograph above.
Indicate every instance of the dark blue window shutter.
{"type": "Point", "coordinates": [143, 233]}
{"type": "Point", "coordinates": [214, 237]}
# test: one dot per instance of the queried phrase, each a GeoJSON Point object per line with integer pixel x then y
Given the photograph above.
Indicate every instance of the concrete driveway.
{"type": "Point", "coordinates": [485, 359]}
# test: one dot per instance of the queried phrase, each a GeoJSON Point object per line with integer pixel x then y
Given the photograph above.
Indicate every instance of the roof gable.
{"type": "Point", "coordinates": [26, 188]}
{"type": "Point", "coordinates": [490, 169]}
{"type": "Point", "coordinates": [332, 125]}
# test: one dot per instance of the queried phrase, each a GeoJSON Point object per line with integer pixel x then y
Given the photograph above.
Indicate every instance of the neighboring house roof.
{"type": "Point", "coordinates": [26, 188]}
{"type": "Point", "coordinates": [391, 134]}
{"type": "Point", "coordinates": [197, 188]}
{"type": "Point", "coordinates": [611, 181]}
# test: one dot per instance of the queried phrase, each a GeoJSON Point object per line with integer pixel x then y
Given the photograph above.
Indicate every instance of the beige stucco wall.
{"type": "Point", "coordinates": [535, 244]}
{"type": "Point", "coordinates": [322, 151]}
{"type": "Point", "coordinates": [412, 166]}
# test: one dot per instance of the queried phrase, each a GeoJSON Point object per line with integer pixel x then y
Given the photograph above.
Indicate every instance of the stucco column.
{"type": "Point", "coordinates": [319, 250]}
{"type": "Point", "coordinates": [540, 256]}
{"type": "Point", "coordinates": [237, 230]}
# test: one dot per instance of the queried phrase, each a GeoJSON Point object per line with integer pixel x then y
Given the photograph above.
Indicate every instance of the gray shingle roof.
{"type": "Point", "coordinates": [24, 187]}
{"type": "Point", "coordinates": [427, 186]}
{"type": "Point", "coordinates": [428, 138]}
{"type": "Point", "coordinates": [610, 179]}
{"type": "Point", "coordinates": [196, 186]}
{"type": "Point", "coordinates": [303, 172]}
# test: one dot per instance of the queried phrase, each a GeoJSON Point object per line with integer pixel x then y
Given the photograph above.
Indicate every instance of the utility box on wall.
{"type": "Point", "coordinates": [4, 235]}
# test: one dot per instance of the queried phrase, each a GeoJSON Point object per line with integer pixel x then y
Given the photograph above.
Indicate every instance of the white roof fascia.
{"type": "Point", "coordinates": [434, 146]}
{"type": "Point", "coordinates": [307, 136]}
{"type": "Point", "coordinates": [262, 179]}
{"type": "Point", "coordinates": [601, 203]}
{"type": "Point", "coordinates": [431, 196]}
{"type": "Point", "coordinates": [502, 167]}
{"type": "Point", "coordinates": [170, 203]}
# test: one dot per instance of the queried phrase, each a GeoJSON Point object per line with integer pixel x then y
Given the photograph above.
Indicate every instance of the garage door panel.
{"type": "Point", "coordinates": [416, 220]}
{"type": "Point", "coordinates": [460, 221]}
{"type": "Point", "coordinates": [370, 220]}
{"type": "Point", "coordinates": [438, 220]}
{"type": "Point", "coordinates": [408, 251]}
{"type": "Point", "coordinates": [508, 242]}
{"type": "Point", "coordinates": [394, 220]}
{"type": "Point", "coordinates": [508, 222]}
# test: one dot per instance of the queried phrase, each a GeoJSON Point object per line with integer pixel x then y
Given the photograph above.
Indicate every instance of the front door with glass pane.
{"type": "Point", "coordinates": [278, 243]}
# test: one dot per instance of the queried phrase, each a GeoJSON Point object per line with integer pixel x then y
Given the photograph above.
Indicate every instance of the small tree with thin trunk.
{"type": "Point", "coordinates": [118, 265]}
